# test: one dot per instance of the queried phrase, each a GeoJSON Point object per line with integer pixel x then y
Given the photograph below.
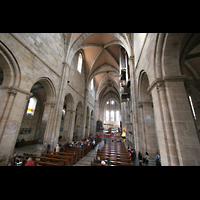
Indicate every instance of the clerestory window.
{"type": "Point", "coordinates": [80, 61]}
{"type": "Point", "coordinates": [31, 106]}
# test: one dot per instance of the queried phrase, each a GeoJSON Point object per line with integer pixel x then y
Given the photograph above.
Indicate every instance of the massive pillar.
{"type": "Point", "coordinates": [14, 103]}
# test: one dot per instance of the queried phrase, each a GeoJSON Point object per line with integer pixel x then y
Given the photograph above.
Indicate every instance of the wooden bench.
{"type": "Point", "coordinates": [46, 163]}
{"type": "Point", "coordinates": [97, 164]}
{"type": "Point", "coordinates": [114, 159]}
{"type": "Point", "coordinates": [113, 155]}
{"type": "Point", "coordinates": [70, 153]}
{"type": "Point", "coordinates": [79, 152]}
{"type": "Point", "coordinates": [112, 163]}
{"type": "Point", "coordinates": [65, 155]}
{"type": "Point", "coordinates": [115, 152]}
{"type": "Point", "coordinates": [41, 163]}
{"type": "Point", "coordinates": [67, 158]}
{"type": "Point", "coordinates": [22, 144]}
{"type": "Point", "coordinates": [62, 162]}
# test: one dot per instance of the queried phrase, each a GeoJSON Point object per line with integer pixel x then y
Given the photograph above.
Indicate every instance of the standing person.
{"type": "Point", "coordinates": [146, 158]}
{"type": "Point", "coordinates": [140, 158]}
{"type": "Point", "coordinates": [48, 147]}
{"type": "Point", "coordinates": [12, 158]}
{"type": "Point", "coordinates": [133, 156]}
{"type": "Point", "coordinates": [62, 148]}
{"type": "Point", "coordinates": [57, 148]}
{"type": "Point", "coordinates": [93, 143]}
{"type": "Point", "coordinates": [157, 159]}
{"type": "Point", "coordinates": [98, 148]}
{"type": "Point", "coordinates": [104, 140]}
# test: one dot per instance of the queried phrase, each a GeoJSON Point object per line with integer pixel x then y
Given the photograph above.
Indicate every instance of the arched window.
{"type": "Point", "coordinates": [80, 61]}
{"type": "Point", "coordinates": [112, 115]}
{"type": "Point", "coordinates": [117, 115]}
{"type": "Point", "coordinates": [31, 106]}
{"type": "Point", "coordinates": [191, 103]}
{"type": "Point", "coordinates": [107, 115]}
{"type": "Point", "coordinates": [92, 84]}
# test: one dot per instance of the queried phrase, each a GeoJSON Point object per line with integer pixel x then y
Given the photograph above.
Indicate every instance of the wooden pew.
{"type": "Point", "coordinates": [97, 164]}
{"type": "Point", "coordinates": [114, 159]}
{"type": "Point", "coordinates": [121, 163]}
{"type": "Point", "coordinates": [46, 163]}
{"type": "Point", "coordinates": [70, 153]}
{"type": "Point", "coordinates": [112, 163]}
{"type": "Point", "coordinates": [80, 152]}
{"type": "Point", "coordinates": [41, 163]}
{"type": "Point", "coordinates": [113, 155]}
{"type": "Point", "coordinates": [69, 158]}
{"type": "Point", "coordinates": [53, 160]}
{"type": "Point", "coordinates": [114, 152]}
{"type": "Point", "coordinates": [22, 144]}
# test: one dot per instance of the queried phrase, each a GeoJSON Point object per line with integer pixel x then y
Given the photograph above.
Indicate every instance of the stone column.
{"type": "Point", "coordinates": [83, 121]}
{"type": "Point", "coordinates": [88, 127]}
{"type": "Point", "coordinates": [11, 118]}
{"type": "Point", "coordinates": [70, 129]}
{"type": "Point", "coordinates": [134, 102]}
{"type": "Point", "coordinates": [168, 126]}
{"type": "Point", "coordinates": [142, 137]}
{"type": "Point", "coordinates": [160, 128]}
{"type": "Point", "coordinates": [197, 112]}
{"type": "Point", "coordinates": [66, 124]}
{"type": "Point", "coordinates": [57, 115]}
{"type": "Point", "coordinates": [187, 142]}
{"type": "Point", "coordinates": [45, 134]}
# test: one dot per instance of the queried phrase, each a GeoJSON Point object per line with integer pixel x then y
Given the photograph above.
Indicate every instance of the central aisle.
{"type": "Point", "coordinates": [86, 160]}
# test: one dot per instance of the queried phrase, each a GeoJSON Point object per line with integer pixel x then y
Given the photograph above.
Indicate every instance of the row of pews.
{"type": "Point", "coordinates": [114, 154]}
{"type": "Point", "coordinates": [68, 158]}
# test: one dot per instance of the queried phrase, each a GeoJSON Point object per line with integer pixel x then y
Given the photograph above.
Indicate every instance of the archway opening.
{"type": "Point", "coordinates": [146, 119]}
{"type": "Point", "coordinates": [112, 114]}
{"type": "Point", "coordinates": [77, 124]}
{"type": "Point", "coordinates": [66, 119]}
{"type": "Point", "coordinates": [31, 126]}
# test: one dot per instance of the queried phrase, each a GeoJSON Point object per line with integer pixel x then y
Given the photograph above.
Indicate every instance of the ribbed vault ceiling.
{"type": "Point", "coordinates": [101, 57]}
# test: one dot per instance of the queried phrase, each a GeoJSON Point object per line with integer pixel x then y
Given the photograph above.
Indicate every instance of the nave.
{"type": "Point", "coordinates": [113, 152]}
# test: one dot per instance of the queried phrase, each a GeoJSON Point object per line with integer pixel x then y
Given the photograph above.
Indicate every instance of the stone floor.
{"type": "Point", "coordinates": [86, 160]}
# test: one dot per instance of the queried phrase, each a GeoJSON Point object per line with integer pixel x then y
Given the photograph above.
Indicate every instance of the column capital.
{"type": "Point", "coordinates": [12, 92]}
{"type": "Point", "coordinates": [160, 86]}
{"type": "Point", "coordinates": [165, 79]}
{"type": "Point", "coordinates": [155, 83]}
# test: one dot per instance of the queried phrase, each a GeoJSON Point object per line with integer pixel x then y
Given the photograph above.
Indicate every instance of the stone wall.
{"type": "Point", "coordinates": [39, 58]}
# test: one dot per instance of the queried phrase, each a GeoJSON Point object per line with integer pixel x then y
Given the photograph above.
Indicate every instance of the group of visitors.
{"type": "Point", "coordinates": [73, 144]}
{"type": "Point", "coordinates": [59, 148]}
{"type": "Point", "coordinates": [143, 161]}
{"type": "Point", "coordinates": [12, 160]}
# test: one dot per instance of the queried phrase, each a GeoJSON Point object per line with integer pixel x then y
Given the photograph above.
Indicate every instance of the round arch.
{"type": "Point", "coordinates": [10, 67]}
{"type": "Point", "coordinates": [49, 87]}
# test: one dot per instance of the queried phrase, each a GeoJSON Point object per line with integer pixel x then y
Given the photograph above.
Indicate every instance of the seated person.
{"type": "Point", "coordinates": [30, 162]}
{"type": "Point", "coordinates": [97, 160]}
{"type": "Point", "coordinates": [23, 140]}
